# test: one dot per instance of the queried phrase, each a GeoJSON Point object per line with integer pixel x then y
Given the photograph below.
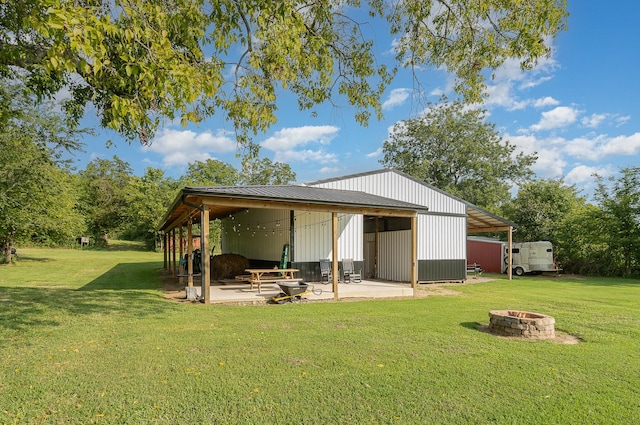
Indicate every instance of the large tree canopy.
{"type": "Point", "coordinates": [141, 61]}
{"type": "Point", "coordinates": [37, 198]}
{"type": "Point", "coordinates": [455, 149]}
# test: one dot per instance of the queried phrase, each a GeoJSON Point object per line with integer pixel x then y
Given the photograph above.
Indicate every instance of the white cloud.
{"type": "Point", "coordinates": [594, 120]}
{"type": "Point", "coordinates": [330, 170]}
{"type": "Point", "coordinates": [291, 157]}
{"type": "Point", "coordinates": [622, 120]}
{"type": "Point", "coordinates": [397, 97]}
{"type": "Point", "coordinates": [545, 101]}
{"type": "Point", "coordinates": [582, 148]}
{"type": "Point", "coordinates": [376, 153]}
{"type": "Point", "coordinates": [182, 147]}
{"type": "Point", "coordinates": [561, 116]}
{"type": "Point", "coordinates": [621, 145]}
{"type": "Point", "coordinates": [551, 162]}
{"type": "Point", "coordinates": [508, 79]}
{"type": "Point", "coordinates": [291, 138]}
{"type": "Point", "coordinates": [581, 174]}
{"type": "Point", "coordinates": [288, 144]}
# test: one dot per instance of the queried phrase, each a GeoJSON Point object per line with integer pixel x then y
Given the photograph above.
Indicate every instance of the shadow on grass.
{"type": "Point", "coordinates": [127, 289]}
{"type": "Point", "coordinates": [475, 326]}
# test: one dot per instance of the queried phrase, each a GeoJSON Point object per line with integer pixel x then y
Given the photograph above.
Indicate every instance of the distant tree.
{"type": "Point", "coordinates": [550, 210]}
{"type": "Point", "coordinates": [540, 208]}
{"type": "Point", "coordinates": [36, 195]}
{"type": "Point", "coordinates": [147, 199]}
{"type": "Point", "coordinates": [257, 171]}
{"type": "Point", "coordinates": [104, 196]}
{"type": "Point", "coordinates": [617, 222]}
{"type": "Point", "coordinates": [139, 61]}
{"type": "Point", "coordinates": [210, 172]}
{"type": "Point", "coordinates": [453, 148]}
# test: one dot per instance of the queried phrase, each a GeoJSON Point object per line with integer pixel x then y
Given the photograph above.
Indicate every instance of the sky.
{"type": "Point", "coordinates": [578, 109]}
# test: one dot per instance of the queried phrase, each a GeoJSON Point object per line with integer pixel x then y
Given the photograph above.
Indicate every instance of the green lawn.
{"type": "Point", "coordinates": [86, 337]}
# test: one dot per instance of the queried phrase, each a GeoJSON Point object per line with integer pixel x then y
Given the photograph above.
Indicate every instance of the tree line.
{"type": "Point", "coordinates": [44, 201]}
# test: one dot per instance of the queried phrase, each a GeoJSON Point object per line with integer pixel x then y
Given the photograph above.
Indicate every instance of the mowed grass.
{"type": "Point", "coordinates": [86, 337]}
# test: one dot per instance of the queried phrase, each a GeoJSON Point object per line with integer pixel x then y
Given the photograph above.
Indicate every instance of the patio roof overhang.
{"type": "Point", "coordinates": [223, 201]}
{"type": "Point", "coordinates": [482, 221]}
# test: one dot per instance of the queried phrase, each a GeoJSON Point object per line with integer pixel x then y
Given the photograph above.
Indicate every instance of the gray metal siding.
{"type": "Point", "coordinates": [441, 270]}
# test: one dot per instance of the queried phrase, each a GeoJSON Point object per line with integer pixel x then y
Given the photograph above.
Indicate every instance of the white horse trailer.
{"type": "Point", "coordinates": [531, 257]}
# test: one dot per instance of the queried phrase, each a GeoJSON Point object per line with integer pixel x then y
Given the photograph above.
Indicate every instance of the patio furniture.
{"type": "Point", "coordinates": [260, 276]}
{"type": "Point", "coordinates": [325, 270]}
{"type": "Point", "coordinates": [349, 272]}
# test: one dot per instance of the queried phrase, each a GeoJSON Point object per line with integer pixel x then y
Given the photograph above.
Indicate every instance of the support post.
{"type": "Point", "coordinates": [173, 252]}
{"type": "Point", "coordinates": [334, 260]}
{"type": "Point", "coordinates": [190, 259]}
{"type": "Point", "coordinates": [164, 250]}
{"type": "Point", "coordinates": [510, 253]}
{"type": "Point", "coordinates": [376, 247]}
{"type": "Point", "coordinates": [181, 237]}
{"type": "Point", "coordinates": [204, 248]}
{"type": "Point", "coordinates": [414, 253]}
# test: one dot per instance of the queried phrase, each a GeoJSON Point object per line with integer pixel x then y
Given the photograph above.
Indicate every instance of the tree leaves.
{"type": "Point", "coordinates": [143, 61]}
{"type": "Point", "coordinates": [453, 148]}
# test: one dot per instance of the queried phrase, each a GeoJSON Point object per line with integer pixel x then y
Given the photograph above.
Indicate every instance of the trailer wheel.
{"type": "Point", "coordinates": [519, 271]}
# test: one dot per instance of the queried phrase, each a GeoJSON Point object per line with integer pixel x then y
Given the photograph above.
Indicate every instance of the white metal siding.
{"type": "Point", "coordinates": [395, 186]}
{"type": "Point", "coordinates": [394, 257]}
{"type": "Point", "coordinates": [256, 234]}
{"type": "Point", "coordinates": [313, 236]}
{"type": "Point", "coordinates": [442, 237]}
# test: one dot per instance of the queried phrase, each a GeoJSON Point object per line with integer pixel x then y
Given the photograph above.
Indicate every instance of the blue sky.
{"type": "Point", "coordinates": [577, 109]}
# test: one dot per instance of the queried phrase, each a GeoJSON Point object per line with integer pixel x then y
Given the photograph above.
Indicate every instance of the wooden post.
{"type": "Point", "coordinates": [164, 250]}
{"type": "Point", "coordinates": [190, 253]}
{"type": "Point", "coordinates": [173, 252]}
{"type": "Point", "coordinates": [376, 247]}
{"type": "Point", "coordinates": [509, 255]}
{"type": "Point", "coordinates": [334, 262]}
{"type": "Point", "coordinates": [204, 249]}
{"type": "Point", "coordinates": [414, 253]}
{"type": "Point", "coordinates": [181, 237]}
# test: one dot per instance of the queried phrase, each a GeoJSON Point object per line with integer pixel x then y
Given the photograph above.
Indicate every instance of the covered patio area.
{"type": "Point", "coordinates": [238, 292]}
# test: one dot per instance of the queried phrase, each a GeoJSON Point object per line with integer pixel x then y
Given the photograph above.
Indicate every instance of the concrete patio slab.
{"type": "Point", "coordinates": [231, 291]}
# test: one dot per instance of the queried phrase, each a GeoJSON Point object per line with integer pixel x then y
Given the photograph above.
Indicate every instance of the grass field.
{"type": "Point", "coordinates": [87, 337]}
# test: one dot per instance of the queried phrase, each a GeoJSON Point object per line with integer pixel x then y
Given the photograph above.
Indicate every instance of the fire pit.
{"type": "Point", "coordinates": [521, 324]}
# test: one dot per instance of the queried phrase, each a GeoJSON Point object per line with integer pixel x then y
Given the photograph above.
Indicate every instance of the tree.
{"type": "Point", "coordinates": [618, 220]}
{"type": "Point", "coordinates": [210, 172]}
{"type": "Point", "coordinates": [540, 208]}
{"type": "Point", "coordinates": [550, 210]}
{"type": "Point", "coordinates": [147, 199]}
{"type": "Point", "coordinates": [455, 149]}
{"type": "Point", "coordinates": [263, 172]}
{"type": "Point", "coordinates": [104, 196]}
{"type": "Point", "coordinates": [36, 195]}
{"type": "Point", "coordinates": [140, 61]}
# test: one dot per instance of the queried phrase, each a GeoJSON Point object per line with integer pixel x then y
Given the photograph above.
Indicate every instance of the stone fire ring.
{"type": "Point", "coordinates": [522, 324]}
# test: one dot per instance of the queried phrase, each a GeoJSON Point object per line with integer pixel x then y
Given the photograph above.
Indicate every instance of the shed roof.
{"type": "Point", "coordinates": [225, 200]}
{"type": "Point", "coordinates": [479, 220]}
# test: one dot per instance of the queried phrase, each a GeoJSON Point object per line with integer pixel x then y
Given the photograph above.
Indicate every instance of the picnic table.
{"type": "Point", "coordinates": [260, 276]}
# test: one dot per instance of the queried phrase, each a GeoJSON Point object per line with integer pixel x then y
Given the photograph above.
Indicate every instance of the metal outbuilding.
{"type": "Point", "coordinates": [442, 230]}
{"type": "Point", "coordinates": [393, 226]}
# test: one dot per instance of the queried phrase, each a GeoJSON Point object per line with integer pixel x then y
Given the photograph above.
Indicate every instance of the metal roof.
{"type": "Point", "coordinates": [225, 200]}
{"type": "Point", "coordinates": [478, 219]}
